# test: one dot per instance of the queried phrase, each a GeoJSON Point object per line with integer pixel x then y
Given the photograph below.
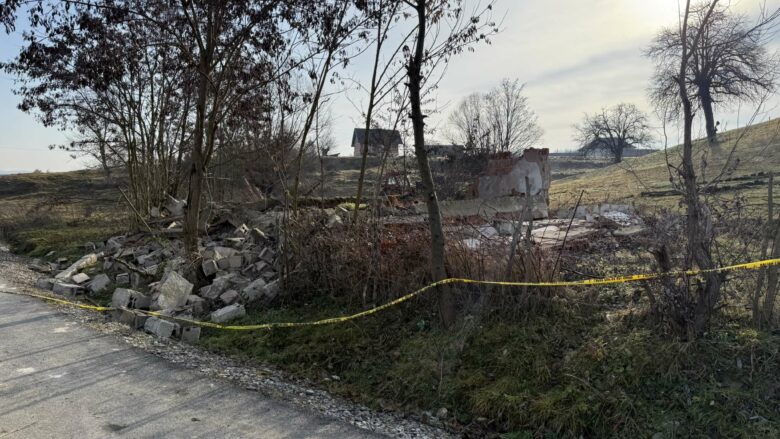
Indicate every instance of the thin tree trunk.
{"type": "Point", "coordinates": [369, 115]}
{"type": "Point", "coordinates": [446, 301]}
{"type": "Point", "coordinates": [307, 127]}
{"type": "Point", "coordinates": [772, 273]}
{"type": "Point", "coordinates": [197, 167]}
{"type": "Point", "coordinates": [709, 117]}
{"type": "Point", "coordinates": [768, 233]}
{"type": "Point", "coordinates": [698, 225]}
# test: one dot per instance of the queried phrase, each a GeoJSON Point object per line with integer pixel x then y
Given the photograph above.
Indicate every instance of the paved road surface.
{"type": "Point", "coordinates": [61, 380]}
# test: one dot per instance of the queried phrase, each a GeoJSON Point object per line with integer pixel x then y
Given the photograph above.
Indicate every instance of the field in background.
{"type": "Point", "coordinates": [41, 212]}
{"type": "Point", "coordinates": [645, 180]}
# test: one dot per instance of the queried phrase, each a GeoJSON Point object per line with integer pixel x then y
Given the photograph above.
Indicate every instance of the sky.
{"type": "Point", "coordinates": [575, 57]}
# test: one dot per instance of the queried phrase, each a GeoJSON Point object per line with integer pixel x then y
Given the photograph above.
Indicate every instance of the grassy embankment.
{"type": "Point", "coordinates": [645, 180]}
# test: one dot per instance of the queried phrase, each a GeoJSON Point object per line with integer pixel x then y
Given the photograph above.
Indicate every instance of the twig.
{"type": "Point", "coordinates": [130, 267]}
{"type": "Point", "coordinates": [563, 244]}
{"type": "Point", "coordinates": [129, 203]}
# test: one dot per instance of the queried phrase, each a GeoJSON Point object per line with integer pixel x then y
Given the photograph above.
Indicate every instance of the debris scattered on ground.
{"type": "Point", "coordinates": [236, 266]}
{"type": "Point", "coordinates": [264, 379]}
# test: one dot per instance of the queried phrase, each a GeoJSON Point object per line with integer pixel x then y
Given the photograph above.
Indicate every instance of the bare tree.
{"type": "Point", "coordinates": [96, 71]}
{"type": "Point", "coordinates": [500, 120]}
{"type": "Point", "coordinates": [437, 19]}
{"type": "Point", "coordinates": [698, 225]}
{"type": "Point", "coordinates": [512, 123]}
{"type": "Point", "coordinates": [728, 63]}
{"type": "Point", "coordinates": [331, 39]}
{"type": "Point", "coordinates": [383, 16]}
{"type": "Point", "coordinates": [613, 130]}
{"type": "Point", "coordinates": [468, 126]}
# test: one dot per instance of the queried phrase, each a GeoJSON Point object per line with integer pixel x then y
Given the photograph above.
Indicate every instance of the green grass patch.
{"type": "Point", "coordinates": [560, 373]}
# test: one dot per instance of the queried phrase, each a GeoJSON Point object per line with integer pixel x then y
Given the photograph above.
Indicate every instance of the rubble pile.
{"type": "Point", "coordinates": [238, 268]}
{"type": "Point", "coordinates": [570, 228]}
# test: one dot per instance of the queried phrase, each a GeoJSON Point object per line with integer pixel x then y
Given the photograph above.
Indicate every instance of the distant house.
{"type": "Point", "coordinates": [442, 150]}
{"type": "Point", "coordinates": [379, 140]}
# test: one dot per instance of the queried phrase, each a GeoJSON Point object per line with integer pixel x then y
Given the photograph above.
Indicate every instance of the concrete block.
{"type": "Point", "coordinates": [488, 231]}
{"type": "Point", "coordinates": [123, 279]}
{"type": "Point", "coordinates": [210, 253]}
{"type": "Point", "coordinates": [263, 267]}
{"type": "Point", "coordinates": [209, 292]}
{"type": "Point", "coordinates": [131, 318]}
{"type": "Point", "coordinates": [84, 262]}
{"type": "Point", "coordinates": [235, 242]}
{"type": "Point", "coordinates": [126, 298]}
{"type": "Point", "coordinates": [79, 278]}
{"type": "Point", "coordinates": [230, 312]}
{"type": "Point", "coordinates": [175, 207]}
{"type": "Point", "coordinates": [45, 283]}
{"type": "Point", "coordinates": [113, 244]}
{"type": "Point", "coordinates": [235, 262]}
{"type": "Point", "coordinates": [174, 290]}
{"type": "Point", "coordinates": [229, 297]}
{"type": "Point", "coordinates": [151, 270]}
{"type": "Point", "coordinates": [148, 259]}
{"type": "Point", "coordinates": [272, 290]}
{"type": "Point", "coordinates": [209, 267]}
{"type": "Point", "coordinates": [225, 252]}
{"type": "Point", "coordinates": [190, 334]}
{"type": "Point", "coordinates": [224, 263]}
{"type": "Point", "coordinates": [36, 265]}
{"type": "Point", "coordinates": [267, 255]}
{"type": "Point", "coordinates": [505, 228]}
{"type": "Point", "coordinates": [161, 328]}
{"type": "Point", "coordinates": [99, 284]}
{"type": "Point", "coordinates": [66, 289]}
{"type": "Point", "coordinates": [135, 280]}
{"type": "Point", "coordinates": [257, 236]}
{"type": "Point", "coordinates": [197, 303]}
{"type": "Point", "coordinates": [217, 287]}
{"type": "Point", "coordinates": [254, 291]}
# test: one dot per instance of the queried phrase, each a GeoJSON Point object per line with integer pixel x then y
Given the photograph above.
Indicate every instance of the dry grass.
{"type": "Point", "coordinates": [757, 151]}
{"type": "Point", "coordinates": [40, 212]}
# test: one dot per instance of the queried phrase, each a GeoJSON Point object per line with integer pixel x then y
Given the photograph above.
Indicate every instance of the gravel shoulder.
{"type": "Point", "coordinates": [161, 382]}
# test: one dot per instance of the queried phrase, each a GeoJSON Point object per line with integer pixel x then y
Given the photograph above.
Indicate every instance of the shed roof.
{"type": "Point", "coordinates": [377, 136]}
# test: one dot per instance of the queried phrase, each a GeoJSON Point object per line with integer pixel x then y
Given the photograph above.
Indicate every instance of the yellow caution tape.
{"type": "Point", "coordinates": [61, 301]}
{"type": "Point", "coordinates": [587, 282]}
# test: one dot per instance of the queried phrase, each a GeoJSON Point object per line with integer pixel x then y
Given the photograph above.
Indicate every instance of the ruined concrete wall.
{"type": "Point", "coordinates": [505, 176]}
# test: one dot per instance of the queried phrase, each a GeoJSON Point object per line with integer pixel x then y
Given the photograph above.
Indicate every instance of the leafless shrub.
{"type": "Point", "coordinates": [358, 266]}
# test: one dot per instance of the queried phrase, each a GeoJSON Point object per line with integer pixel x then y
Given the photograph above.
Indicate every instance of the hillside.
{"type": "Point", "coordinates": [645, 180]}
